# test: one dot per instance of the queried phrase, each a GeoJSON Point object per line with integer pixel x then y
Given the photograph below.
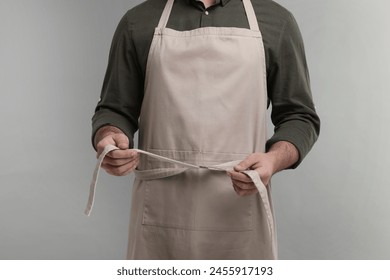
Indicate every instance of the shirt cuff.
{"type": "Point", "coordinates": [105, 117]}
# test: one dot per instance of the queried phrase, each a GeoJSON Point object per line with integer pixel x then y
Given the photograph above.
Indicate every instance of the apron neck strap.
{"type": "Point", "coordinates": [250, 12]}
{"type": "Point", "coordinates": [165, 15]}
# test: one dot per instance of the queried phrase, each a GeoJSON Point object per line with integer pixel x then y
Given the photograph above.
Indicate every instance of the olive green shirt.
{"type": "Point", "coordinates": [293, 112]}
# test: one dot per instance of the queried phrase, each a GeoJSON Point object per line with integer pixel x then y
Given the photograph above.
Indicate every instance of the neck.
{"type": "Point", "coordinates": [208, 3]}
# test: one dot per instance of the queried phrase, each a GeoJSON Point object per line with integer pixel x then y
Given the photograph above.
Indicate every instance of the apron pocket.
{"type": "Point", "coordinates": [196, 200]}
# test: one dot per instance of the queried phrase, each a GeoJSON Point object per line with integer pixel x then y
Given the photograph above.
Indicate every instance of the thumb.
{"type": "Point", "coordinates": [121, 141]}
{"type": "Point", "coordinates": [245, 164]}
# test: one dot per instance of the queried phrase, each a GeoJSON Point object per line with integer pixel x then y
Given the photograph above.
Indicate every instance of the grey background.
{"type": "Point", "coordinates": [53, 56]}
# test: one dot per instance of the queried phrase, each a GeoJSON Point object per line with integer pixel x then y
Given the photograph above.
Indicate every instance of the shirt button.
{"type": "Point", "coordinates": [206, 13]}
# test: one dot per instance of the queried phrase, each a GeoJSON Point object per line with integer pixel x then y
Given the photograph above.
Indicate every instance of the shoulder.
{"type": "Point", "coordinates": [270, 13]}
{"type": "Point", "coordinates": [146, 13]}
{"type": "Point", "coordinates": [276, 23]}
{"type": "Point", "coordinates": [272, 9]}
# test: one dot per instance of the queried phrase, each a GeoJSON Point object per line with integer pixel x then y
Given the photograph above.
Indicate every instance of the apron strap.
{"type": "Point", "coordinates": [250, 13]}
{"type": "Point", "coordinates": [92, 187]}
{"type": "Point", "coordinates": [165, 15]}
{"type": "Point", "coordinates": [254, 175]}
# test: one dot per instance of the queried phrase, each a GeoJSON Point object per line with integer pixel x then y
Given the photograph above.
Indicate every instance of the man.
{"type": "Point", "coordinates": [195, 78]}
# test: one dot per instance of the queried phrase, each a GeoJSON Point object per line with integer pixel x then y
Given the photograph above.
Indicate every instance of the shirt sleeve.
{"type": "Point", "coordinates": [293, 111]}
{"type": "Point", "coordinates": [122, 91]}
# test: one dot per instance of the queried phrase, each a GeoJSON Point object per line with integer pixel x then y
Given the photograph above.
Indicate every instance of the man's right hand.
{"type": "Point", "coordinates": [118, 162]}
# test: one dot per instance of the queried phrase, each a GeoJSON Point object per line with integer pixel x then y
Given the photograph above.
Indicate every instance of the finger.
{"type": "Point", "coordinates": [246, 163]}
{"type": "Point", "coordinates": [264, 174]}
{"type": "Point", "coordinates": [248, 192]}
{"type": "Point", "coordinates": [244, 186]}
{"type": "Point", "coordinates": [117, 162]}
{"type": "Point", "coordinates": [239, 176]}
{"type": "Point", "coordinates": [121, 170]}
{"type": "Point", "coordinates": [123, 154]}
{"type": "Point", "coordinates": [243, 192]}
{"type": "Point", "coordinates": [102, 144]}
{"type": "Point", "coordinates": [121, 141]}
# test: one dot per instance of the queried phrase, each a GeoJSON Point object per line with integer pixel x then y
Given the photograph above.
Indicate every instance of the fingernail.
{"type": "Point", "coordinates": [238, 167]}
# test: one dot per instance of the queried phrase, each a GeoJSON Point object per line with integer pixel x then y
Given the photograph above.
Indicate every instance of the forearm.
{"type": "Point", "coordinates": [283, 155]}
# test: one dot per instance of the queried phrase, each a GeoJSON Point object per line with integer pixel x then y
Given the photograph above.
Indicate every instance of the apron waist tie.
{"type": "Point", "coordinates": [159, 173]}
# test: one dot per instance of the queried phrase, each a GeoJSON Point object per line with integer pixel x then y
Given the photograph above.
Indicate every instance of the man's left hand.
{"type": "Point", "coordinates": [281, 155]}
{"type": "Point", "coordinates": [261, 163]}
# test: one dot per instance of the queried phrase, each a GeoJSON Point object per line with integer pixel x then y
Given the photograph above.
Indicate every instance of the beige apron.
{"type": "Point", "coordinates": [204, 104]}
{"type": "Point", "coordinates": [204, 110]}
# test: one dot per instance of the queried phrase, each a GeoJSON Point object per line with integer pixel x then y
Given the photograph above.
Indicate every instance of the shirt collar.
{"type": "Point", "coordinates": [221, 2]}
